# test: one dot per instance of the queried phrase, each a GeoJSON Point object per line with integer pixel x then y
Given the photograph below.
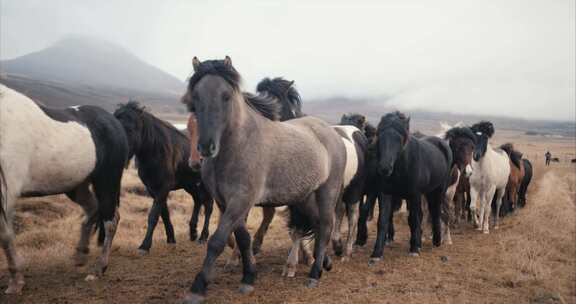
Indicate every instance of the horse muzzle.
{"type": "Point", "coordinates": [208, 149]}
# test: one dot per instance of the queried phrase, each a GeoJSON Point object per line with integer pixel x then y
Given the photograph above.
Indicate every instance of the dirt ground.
{"type": "Point", "coordinates": [530, 259]}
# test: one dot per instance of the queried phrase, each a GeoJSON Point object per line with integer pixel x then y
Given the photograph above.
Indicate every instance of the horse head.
{"type": "Point", "coordinates": [483, 131]}
{"type": "Point", "coordinates": [393, 135]}
{"type": "Point", "coordinates": [462, 142]}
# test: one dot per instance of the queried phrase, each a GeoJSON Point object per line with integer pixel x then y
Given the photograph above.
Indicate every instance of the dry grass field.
{"type": "Point", "coordinates": [530, 259]}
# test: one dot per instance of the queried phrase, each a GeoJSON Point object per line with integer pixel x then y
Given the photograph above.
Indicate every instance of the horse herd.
{"type": "Point", "coordinates": [246, 150]}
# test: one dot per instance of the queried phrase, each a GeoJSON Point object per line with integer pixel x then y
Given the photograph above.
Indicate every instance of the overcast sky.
{"type": "Point", "coordinates": [503, 57]}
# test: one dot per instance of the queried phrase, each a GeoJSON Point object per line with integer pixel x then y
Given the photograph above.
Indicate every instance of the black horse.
{"type": "Point", "coordinates": [162, 154]}
{"type": "Point", "coordinates": [409, 168]}
{"type": "Point", "coordinates": [528, 172]}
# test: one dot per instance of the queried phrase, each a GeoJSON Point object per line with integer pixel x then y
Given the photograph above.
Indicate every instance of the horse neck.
{"type": "Point", "coordinates": [485, 161]}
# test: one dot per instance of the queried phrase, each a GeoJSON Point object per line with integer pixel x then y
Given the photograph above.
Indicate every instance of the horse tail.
{"type": "Point", "coordinates": [300, 222]}
{"type": "Point", "coordinates": [3, 194]}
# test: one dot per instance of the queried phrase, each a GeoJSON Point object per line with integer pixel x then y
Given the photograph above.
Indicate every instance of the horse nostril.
{"type": "Point", "coordinates": [211, 147]}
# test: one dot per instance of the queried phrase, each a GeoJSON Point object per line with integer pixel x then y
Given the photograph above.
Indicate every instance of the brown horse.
{"type": "Point", "coordinates": [514, 179]}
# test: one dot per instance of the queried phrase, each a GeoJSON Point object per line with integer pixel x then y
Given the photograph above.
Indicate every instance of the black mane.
{"type": "Point", "coordinates": [280, 87]}
{"type": "Point", "coordinates": [484, 126]}
{"type": "Point", "coordinates": [460, 132]}
{"type": "Point", "coordinates": [265, 104]}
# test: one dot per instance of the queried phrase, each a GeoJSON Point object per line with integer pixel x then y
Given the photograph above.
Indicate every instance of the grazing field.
{"type": "Point", "coordinates": [531, 258]}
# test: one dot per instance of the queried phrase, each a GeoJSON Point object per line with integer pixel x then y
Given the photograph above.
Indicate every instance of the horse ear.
{"type": "Point", "coordinates": [228, 61]}
{"type": "Point", "coordinates": [363, 119]}
{"type": "Point", "coordinates": [196, 64]}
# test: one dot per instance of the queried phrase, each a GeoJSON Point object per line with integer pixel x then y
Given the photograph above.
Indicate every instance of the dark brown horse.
{"type": "Point", "coordinates": [162, 155]}
{"type": "Point", "coordinates": [300, 163]}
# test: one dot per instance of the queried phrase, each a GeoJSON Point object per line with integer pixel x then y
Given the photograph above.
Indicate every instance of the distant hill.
{"type": "Point", "coordinates": [331, 109]}
{"type": "Point", "coordinates": [83, 70]}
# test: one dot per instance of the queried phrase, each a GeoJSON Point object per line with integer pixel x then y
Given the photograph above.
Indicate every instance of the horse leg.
{"type": "Point", "coordinates": [362, 220]}
{"type": "Point", "coordinates": [153, 215]}
{"type": "Point", "coordinates": [86, 199]}
{"type": "Point", "coordinates": [292, 260]}
{"type": "Point", "coordinates": [489, 195]}
{"type": "Point", "coordinates": [475, 206]}
{"type": "Point", "coordinates": [233, 216]}
{"type": "Point", "coordinates": [385, 209]}
{"type": "Point", "coordinates": [107, 190]}
{"type": "Point", "coordinates": [208, 208]}
{"type": "Point", "coordinates": [436, 200]}
{"type": "Point", "coordinates": [353, 210]}
{"type": "Point", "coordinates": [415, 222]}
{"type": "Point", "coordinates": [499, 194]}
{"type": "Point", "coordinates": [336, 238]}
{"type": "Point", "coordinates": [165, 214]}
{"type": "Point", "coordinates": [267, 217]}
{"type": "Point", "coordinates": [194, 220]}
{"type": "Point", "coordinates": [248, 270]}
{"type": "Point", "coordinates": [16, 280]}
{"type": "Point", "coordinates": [326, 198]}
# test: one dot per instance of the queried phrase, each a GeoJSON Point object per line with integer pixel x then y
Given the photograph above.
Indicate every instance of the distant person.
{"type": "Point", "coordinates": [548, 156]}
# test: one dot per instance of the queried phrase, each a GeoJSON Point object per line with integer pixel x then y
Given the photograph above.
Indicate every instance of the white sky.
{"type": "Point", "coordinates": [502, 57]}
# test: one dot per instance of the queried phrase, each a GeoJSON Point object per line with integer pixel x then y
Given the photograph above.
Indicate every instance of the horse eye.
{"type": "Point", "coordinates": [225, 97]}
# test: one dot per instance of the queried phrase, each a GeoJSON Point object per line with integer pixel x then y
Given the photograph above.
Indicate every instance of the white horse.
{"type": "Point", "coordinates": [46, 151]}
{"type": "Point", "coordinates": [491, 169]}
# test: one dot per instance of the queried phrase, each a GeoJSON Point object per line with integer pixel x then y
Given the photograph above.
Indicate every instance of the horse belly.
{"type": "Point", "coordinates": [63, 158]}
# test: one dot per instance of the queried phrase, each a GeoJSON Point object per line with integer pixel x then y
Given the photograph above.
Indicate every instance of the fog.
{"type": "Point", "coordinates": [513, 58]}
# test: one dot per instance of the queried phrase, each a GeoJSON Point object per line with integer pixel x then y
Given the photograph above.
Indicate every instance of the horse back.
{"type": "Point", "coordinates": [301, 155]}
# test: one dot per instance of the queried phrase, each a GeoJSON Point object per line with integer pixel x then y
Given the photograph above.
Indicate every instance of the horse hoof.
{"type": "Point", "coordinates": [143, 252]}
{"type": "Point", "coordinates": [192, 298]}
{"type": "Point", "coordinates": [246, 289]}
{"type": "Point", "coordinates": [496, 227]}
{"type": "Point", "coordinates": [312, 283]}
{"type": "Point", "coordinates": [201, 241]}
{"type": "Point", "coordinates": [327, 265]}
{"type": "Point", "coordinates": [345, 259]}
{"type": "Point", "coordinates": [90, 278]}
{"type": "Point", "coordinates": [289, 271]}
{"type": "Point", "coordinates": [338, 248]}
{"type": "Point", "coordinates": [486, 231]}
{"type": "Point", "coordinates": [80, 259]}
{"type": "Point", "coordinates": [413, 254]}
{"type": "Point", "coordinates": [15, 287]}
{"type": "Point", "coordinates": [193, 237]}
{"type": "Point", "coordinates": [374, 261]}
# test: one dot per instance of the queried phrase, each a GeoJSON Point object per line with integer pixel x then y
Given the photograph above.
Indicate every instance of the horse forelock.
{"type": "Point", "coordinates": [397, 121]}
{"type": "Point", "coordinates": [484, 127]}
{"type": "Point", "coordinates": [218, 68]}
{"type": "Point", "coordinates": [457, 132]}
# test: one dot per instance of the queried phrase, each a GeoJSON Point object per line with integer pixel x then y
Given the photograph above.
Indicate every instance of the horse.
{"type": "Point", "coordinates": [45, 151]}
{"type": "Point", "coordinates": [490, 171]}
{"type": "Point", "coordinates": [528, 172]}
{"type": "Point", "coordinates": [514, 179]}
{"type": "Point", "coordinates": [410, 167]}
{"type": "Point", "coordinates": [461, 141]}
{"type": "Point", "coordinates": [301, 163]}
{"type": "Point", "coordinates": [162, 153]}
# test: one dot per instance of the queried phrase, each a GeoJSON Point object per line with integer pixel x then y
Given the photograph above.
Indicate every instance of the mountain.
{"type": "Point", "coordinates": [85, 70]}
